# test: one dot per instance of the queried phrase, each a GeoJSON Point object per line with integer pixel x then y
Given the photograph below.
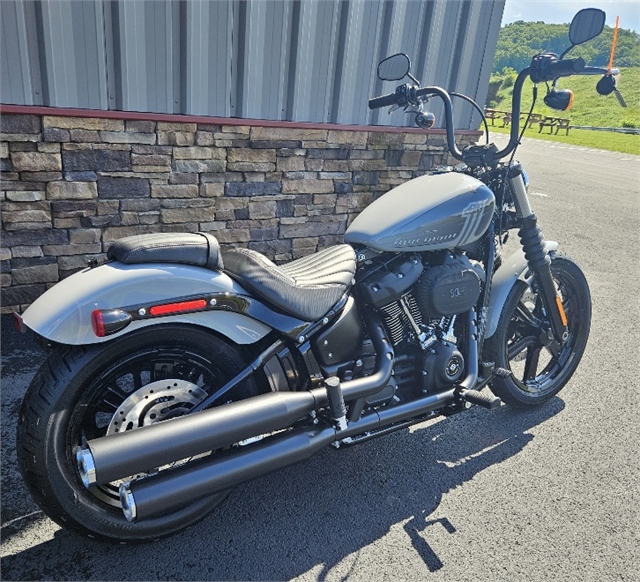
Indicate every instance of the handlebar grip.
{"type": "Point", "coordinates": [564, 68]}
{"type": "Point", "coordinates": [382, 101]}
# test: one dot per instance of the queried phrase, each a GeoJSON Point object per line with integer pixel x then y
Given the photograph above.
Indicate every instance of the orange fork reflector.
{"type": "Point", "coordinates": [181, 307]}
{"type": "Point", "coordinates": [563, 315]}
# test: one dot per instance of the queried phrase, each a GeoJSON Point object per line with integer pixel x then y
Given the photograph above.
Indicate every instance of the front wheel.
{"type": "Point", "coordinates": [82, 393]}
{"type": "Point", "coordinates": [520, 343]}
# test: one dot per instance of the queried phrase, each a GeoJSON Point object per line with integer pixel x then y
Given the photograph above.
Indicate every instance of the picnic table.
{"type": "Point", "coordinates": [543, 121]}
{"type": "Point", "coordinates": [494, 114]}
{"type": "Point", "coordinates": [506, 117]}
{"type": "Point", "coordinates": [557, 122]}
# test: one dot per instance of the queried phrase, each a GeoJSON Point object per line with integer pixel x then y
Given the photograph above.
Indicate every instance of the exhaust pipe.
{"type": "Point", "coordinates": [120, 455]}
{"type": "Point", "coordinates": [169, 490]}
{"type": "Point", "coordinates": [173, 489]}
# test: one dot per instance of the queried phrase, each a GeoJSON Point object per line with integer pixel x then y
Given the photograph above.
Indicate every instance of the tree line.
{"type": "Point", "coordinates": [520, 40]}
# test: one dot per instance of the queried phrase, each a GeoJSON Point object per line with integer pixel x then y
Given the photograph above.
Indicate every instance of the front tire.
{"type": "Point", "coordinates": [82, 393]}
{"type": "Point", "coordinates": [518, 344]}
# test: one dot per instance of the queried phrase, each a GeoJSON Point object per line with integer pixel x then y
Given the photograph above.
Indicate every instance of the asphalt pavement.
{"type": "Point", "coordinates": [547, 494]}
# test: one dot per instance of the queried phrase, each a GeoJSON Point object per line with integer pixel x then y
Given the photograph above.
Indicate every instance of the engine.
{"type": "Point", "coordinates": [419, 300]}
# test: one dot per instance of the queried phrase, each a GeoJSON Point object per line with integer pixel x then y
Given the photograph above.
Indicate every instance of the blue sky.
{"type": "Point", "coordinates": [562, 11]}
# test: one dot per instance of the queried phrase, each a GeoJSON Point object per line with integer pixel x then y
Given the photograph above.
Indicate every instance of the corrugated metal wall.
{"type": "Point", "coordinates": [297, 60]}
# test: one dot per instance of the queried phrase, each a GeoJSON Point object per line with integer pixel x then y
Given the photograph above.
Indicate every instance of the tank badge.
{"type": "Point", "coordinates": [476, 207]}
{"type": "Point", "coordinates": [473, 213]}
{"type": "Point", "coordinates": [416, 242]}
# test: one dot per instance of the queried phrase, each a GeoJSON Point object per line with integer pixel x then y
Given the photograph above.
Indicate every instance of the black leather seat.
{"type": "Point", "coordinates": [306, 288]}
{"type": "Point", "coordinates": [200, 249]}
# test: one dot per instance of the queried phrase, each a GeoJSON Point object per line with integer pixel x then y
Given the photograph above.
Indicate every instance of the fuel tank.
{"type": "Point", "coordinates": [429, 213]}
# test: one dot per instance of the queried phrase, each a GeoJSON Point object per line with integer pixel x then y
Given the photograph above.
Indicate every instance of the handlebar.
{"type": "Point", "coordinates": [547, 67]}
{"type": "Point", "coordinates": [564, 68]}
{"type": "Point", "coordinates": [382, 101]}
{"type": "Point", "coordinates": [399, 98]}
{"type": "Point", "coordinates": [541, 71]}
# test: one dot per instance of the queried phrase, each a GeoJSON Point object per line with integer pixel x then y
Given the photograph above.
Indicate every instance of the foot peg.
{"type": "Point", "coordinates": [490, 369]}
{"type": "Point", "coordinates": [483, 399]}
{"type": "Point", "coordinates": [336, 401]}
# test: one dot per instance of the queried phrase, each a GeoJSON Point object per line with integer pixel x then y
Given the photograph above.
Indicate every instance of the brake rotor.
{"type": "Point", "coordinates": [155, 402]}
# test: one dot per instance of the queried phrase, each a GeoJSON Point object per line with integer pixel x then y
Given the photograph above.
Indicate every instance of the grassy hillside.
{"type": "Point", "coordinates": [589, 108]}
{"type": "Point", "coordinates": [519, 41]}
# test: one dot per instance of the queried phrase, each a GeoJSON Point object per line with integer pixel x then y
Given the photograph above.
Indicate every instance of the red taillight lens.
{"type": "Point", "coordinates": [110, 321]}
{"type": "Point", "coordinates": [97, 322]}
{"type": "Point", "coordinates": [170, 308]}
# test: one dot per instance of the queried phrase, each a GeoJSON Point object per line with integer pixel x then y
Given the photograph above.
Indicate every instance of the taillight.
{"type": "Point", "coordinates": [109, 322]}
{"type": "Point", "coordinates": [181, 307]}
{"type": "Point", "coordinates": [97, 322]}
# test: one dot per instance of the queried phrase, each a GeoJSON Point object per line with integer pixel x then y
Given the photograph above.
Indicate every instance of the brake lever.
{"type": "Point", "coordinates": [393, 108]}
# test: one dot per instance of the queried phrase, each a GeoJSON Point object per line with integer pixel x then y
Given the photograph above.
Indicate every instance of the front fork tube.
{"type": "Point", "coordinates": [537, 257]}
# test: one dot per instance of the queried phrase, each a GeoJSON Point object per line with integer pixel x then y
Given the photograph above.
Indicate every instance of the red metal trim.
{"type": "Point", "coordinates": [231, 121]}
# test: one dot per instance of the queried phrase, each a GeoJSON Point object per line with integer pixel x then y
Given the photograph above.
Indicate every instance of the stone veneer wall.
{"type": "Point", "coordinates": [72, 185]}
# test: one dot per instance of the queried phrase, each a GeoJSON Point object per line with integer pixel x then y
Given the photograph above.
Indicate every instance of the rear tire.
{"type": "Point", "coordinates": [537, 375]}
{"type": "Point", "coordinates": [80, 393]}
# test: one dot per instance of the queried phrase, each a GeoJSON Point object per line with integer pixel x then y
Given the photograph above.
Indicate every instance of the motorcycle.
{"type": "Point", "coordinates": [176, 372]}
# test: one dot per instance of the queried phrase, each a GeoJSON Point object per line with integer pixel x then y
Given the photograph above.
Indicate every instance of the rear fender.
{"type": "Point", "coordinates": [514, 268]}
{"type": "Point", "coordinates": [63, 313]}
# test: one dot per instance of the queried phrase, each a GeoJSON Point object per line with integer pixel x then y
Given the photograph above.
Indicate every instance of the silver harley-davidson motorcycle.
{"type": "Point", "coordinates": [176, 372]}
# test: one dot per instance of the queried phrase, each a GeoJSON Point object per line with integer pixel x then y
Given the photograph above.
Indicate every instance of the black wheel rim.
{"type": "Point", "coordinates": [537, 370]}
{"type": "Point", "coordinates": [95, 411]}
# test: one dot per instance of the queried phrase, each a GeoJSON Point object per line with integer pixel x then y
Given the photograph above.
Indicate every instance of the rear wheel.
{"type": "Point", "coordinates": [520, 343]}
{"type": "Point", "coordinates": [84, 393]}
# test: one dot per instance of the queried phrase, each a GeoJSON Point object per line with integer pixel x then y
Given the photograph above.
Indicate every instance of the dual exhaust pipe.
{"type": "Point", "coordinates": [118, 456]}
{"type": "Point", "coordinates": [169, 490]}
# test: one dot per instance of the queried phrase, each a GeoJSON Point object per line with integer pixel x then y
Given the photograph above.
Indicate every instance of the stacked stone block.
{"type": "Point", "coordinates": [73, 185]}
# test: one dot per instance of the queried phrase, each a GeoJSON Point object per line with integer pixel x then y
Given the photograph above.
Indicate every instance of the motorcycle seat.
{"type": "Point", "coordinates": [199, 249]}
{"type": "Point", "coordinates": [306, 288]}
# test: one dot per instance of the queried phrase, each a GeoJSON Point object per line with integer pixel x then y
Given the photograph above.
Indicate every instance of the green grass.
{"type": "Point", "coordinates": [604, 140]}
{"type": "Point", "coordinates": [589, 108]}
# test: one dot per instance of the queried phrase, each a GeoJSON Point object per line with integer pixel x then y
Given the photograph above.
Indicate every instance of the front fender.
{"type": "Point", "coordinates": [63, 313]}
{"type": "Point", "coordinates": [513, 268]}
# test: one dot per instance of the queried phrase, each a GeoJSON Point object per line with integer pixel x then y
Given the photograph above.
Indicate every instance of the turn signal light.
{"type": "Point", "coordinates": [106, 323]}
{"type": "Point", "coordinates": [559, 99]}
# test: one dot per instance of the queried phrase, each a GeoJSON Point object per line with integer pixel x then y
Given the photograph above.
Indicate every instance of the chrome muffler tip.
{"type": "Point", "coordinates": [128, 502]}
{"type": "Point", "coordinates": [86, 466]}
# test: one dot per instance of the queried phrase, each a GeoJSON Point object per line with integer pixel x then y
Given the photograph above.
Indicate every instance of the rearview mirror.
{"type": "Point", "coordinates": [606, 85]}
{"type": "Point", "coordinates": [394, 68]}
{"type": "Point", "coordinates": [586, 24]}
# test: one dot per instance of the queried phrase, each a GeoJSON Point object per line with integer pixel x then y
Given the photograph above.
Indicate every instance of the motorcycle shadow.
{"type": "Point", "coordinates": [315, 519]}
